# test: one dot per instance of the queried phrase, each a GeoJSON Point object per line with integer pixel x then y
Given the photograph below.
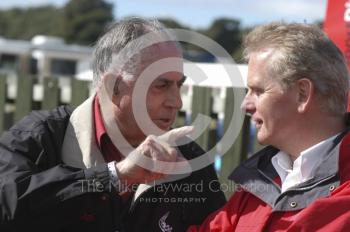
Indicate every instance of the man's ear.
{"type": "Point", "coordinates": [110, 84]}
{"type": "Point", "coordinates": [306, 92]}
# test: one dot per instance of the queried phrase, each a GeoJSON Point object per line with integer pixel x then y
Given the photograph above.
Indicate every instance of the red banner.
{"type": "Point", "coordinates": [337, 26]}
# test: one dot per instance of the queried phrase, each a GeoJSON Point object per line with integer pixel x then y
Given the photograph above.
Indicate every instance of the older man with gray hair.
{"type": "Point", "coordinates": [298, 85]}
{"type": "Point", "coordinates": [99, 167]}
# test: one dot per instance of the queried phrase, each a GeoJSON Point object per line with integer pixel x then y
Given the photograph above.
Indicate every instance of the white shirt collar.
{"type": "Point", "coordinates": [303, 168]}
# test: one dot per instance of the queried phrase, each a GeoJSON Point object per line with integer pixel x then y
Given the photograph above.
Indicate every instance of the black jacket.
{"type": "Point", "coordinates": [38, 192]}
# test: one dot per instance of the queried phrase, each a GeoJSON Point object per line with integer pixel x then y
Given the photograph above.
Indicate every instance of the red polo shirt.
{"type": "Point", "coordinates": [105, 144]}
{"type": "Point", "coordinates": [103, 141]}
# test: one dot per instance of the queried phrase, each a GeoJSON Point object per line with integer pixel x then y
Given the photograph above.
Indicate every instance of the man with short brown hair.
{"type": "Point", "coordinates": [297, 97]}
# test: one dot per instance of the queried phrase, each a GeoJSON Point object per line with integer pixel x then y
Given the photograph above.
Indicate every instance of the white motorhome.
{"type": "Point", "coordinates": [44, 56]}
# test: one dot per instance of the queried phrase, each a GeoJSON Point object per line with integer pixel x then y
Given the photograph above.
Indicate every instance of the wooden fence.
{"type": "Point", "coordinates": [18, 98]}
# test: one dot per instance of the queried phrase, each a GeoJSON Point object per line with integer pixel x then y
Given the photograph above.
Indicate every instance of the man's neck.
{"type": "Point", "coordinates": [311, 134]}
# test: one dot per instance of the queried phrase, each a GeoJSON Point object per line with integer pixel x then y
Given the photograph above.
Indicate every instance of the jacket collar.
{"type": "Point", "coordinates": [262, 161]}
{"type": "Point", "coordinates": [79, 144]}
{"type": "Point", "coordinates": [257, 176]}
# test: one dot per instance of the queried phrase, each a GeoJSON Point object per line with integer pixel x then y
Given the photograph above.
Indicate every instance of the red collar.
{"type": "Point", "coordinates": [103, 141]}
{"type": "Point", "coordinates": [100, 129]}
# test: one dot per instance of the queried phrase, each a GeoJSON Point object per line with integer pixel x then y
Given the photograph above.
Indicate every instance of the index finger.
{"type": "Point", "coordinates": [174, 134]}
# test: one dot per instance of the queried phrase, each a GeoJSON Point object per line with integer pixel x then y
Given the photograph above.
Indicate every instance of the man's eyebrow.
{"type": "Point", "coordinates": [164, 79]}
{"type": "Point", "coordinates": [184, 77]}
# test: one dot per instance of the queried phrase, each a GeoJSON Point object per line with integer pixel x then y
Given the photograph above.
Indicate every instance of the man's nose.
{"type": "Point", "coordinates": [248, 104]}
{"type": "Point", "coordinates": [174, 98]}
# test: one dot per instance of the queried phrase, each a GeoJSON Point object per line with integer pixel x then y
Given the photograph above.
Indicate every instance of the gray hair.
{"type": "Point", "coordinates": [304, 51]}
{"type": "Point", "coordinates": [118, 36]}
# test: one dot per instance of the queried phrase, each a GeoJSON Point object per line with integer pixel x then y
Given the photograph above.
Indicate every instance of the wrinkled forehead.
{"type": "Point", "coordinates": [161, 58]}
{"type": "Point", "coordinates": [259, 68]}
{"type": "Point", "coordinates": [160, 51]}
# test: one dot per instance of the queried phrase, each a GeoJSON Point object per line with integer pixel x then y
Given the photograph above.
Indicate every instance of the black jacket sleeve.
{"type": "Point", "coordinates": [33, 178]}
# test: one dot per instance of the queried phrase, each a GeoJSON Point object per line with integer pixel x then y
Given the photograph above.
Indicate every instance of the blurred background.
{"type": "Point", "coordinates": [46, 46]}
{"type": "Point", "coordinates": [82, 21]}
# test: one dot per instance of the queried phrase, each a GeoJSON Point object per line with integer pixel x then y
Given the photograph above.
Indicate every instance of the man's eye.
{"type": "Point", "coordinates": [255, 92]}
{"type": "Point", "coordinates": [161, 85]}
{"type": "Point", "coordinates": [258, 92]}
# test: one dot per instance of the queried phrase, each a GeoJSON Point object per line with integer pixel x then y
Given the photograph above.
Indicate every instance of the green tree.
{"type": "Point", "coordinates": [19, 23]}
{"type": "Point", "coordinates": [237, 54]}
{"type": "Point", "coordinates": [171, 23]}
{"type": "Point", "coordinates": [84, 20]}
{"type": "Point", "coordinates": [226, 32]}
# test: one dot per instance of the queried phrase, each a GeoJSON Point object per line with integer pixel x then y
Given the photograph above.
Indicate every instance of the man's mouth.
{"type": "Point", "coordinates": [164, 123]}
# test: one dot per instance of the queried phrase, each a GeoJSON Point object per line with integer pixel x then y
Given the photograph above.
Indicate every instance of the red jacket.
{"type": "Point", "coordinates": [259, 207]}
